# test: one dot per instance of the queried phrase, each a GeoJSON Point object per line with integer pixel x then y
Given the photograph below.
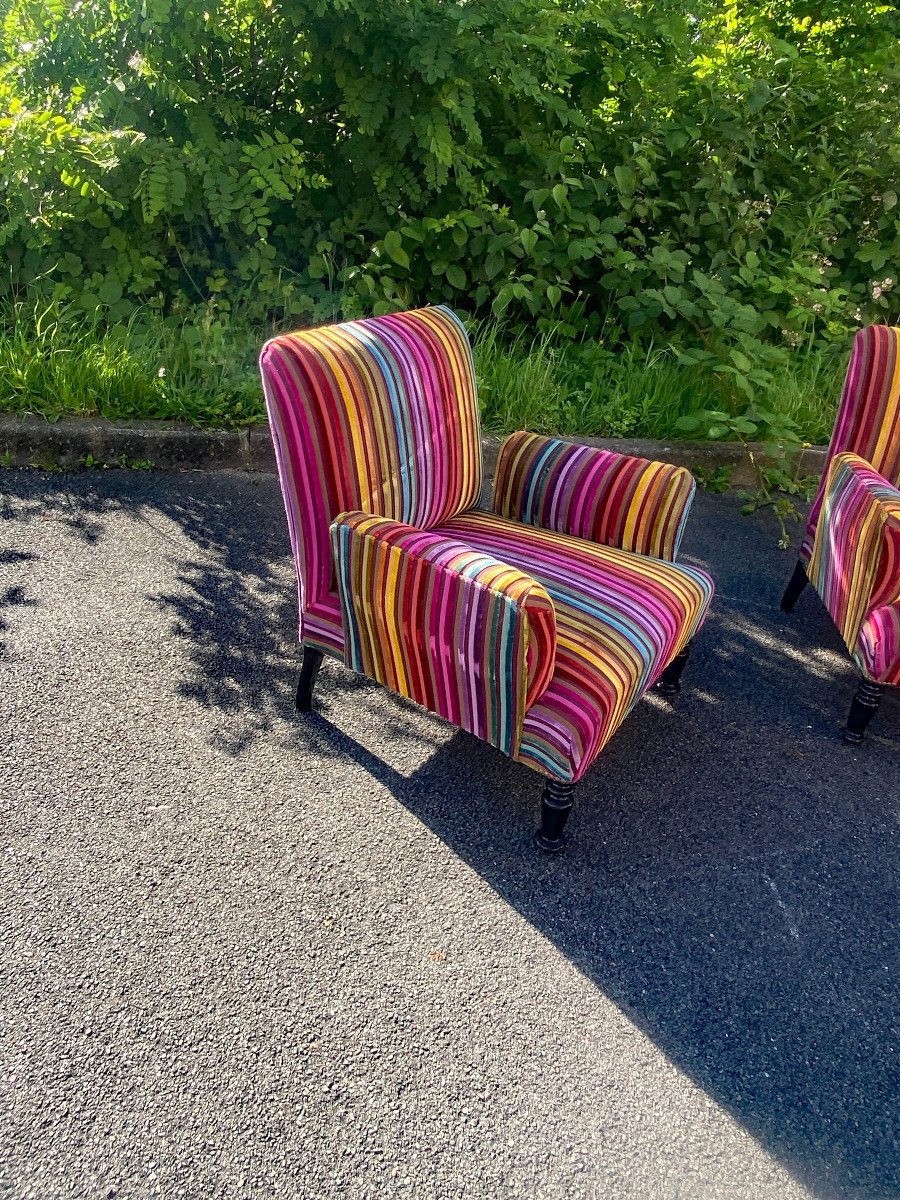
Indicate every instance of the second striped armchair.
{"type": "Point", "coordinates": [851, 551]}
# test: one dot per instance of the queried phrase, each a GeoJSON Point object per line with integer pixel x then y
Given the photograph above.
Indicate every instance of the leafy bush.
{"type": "Point", "coordinates": [715, 177]}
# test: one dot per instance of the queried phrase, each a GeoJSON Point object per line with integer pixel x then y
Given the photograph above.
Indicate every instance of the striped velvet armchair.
{"type": "Point", "coordinates": [851, 551]}
{"type": "Point", "coordinates": [535, 623]}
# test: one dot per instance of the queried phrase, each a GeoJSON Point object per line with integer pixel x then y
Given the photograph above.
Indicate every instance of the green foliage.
{"type": "Point", "coordinates": [91, 463]}
{"type": "Point", "coordinates": [584, 388]}
{"type": "Point", "coordinates": [713, 479]}
{"type": "Point", "coordinates": [714, 177]}
{"type": "Point", "coordinates": [667, 216]}
{"type": "Point", "coordinates": [63, 362]}
{"type": "Point", "coordinates": [773, 443]}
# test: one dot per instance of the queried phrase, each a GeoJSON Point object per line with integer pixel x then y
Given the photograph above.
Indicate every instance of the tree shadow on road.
{"type": "Point", "coordinates": [232, 602]}
{"type": "Point", "coordinates": [14, 595]}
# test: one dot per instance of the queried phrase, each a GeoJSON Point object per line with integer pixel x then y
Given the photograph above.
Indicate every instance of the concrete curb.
{"type": "Point", "coordinates": [31, 441]}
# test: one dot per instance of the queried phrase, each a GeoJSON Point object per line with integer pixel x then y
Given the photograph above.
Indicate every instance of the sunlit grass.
{"type": "Point", "coordinates": [68, 364]}
{"type": "Point", "coordinates": [589, 390]}
{"type": "Point", "coordinates": [62, 363]}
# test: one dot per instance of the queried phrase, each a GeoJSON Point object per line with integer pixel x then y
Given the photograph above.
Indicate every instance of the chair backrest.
{"type": "Point", "coordinates": [378, 416]}
{"type": "Point", "coordinates": [868, 420]}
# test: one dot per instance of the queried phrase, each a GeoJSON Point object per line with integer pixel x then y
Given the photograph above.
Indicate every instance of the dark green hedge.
{"type": "Point", "coordinates": [717, 175]}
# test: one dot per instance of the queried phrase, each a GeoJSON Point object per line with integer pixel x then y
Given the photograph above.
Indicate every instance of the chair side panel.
{"type": "Point", "coordinates": [868, 419]}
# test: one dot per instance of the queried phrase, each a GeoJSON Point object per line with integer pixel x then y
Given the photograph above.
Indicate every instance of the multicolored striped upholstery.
{"type": "Point", "coordinates": [468, 637]}
{"type": "Point", "coordinates": [376, 434]}
{"type": "Point", "coordinates": [868, 420]}
{"type": "Point", "coordinates": [878, 645]}
{"type": "Point", "coordinates": [855, 563]}
{"type": "Point", "coordinates": [378, 416]}
{"type": "Point", "coordinates": [608, 498]}
{"type": "Point", "coordinates": [620, 620]}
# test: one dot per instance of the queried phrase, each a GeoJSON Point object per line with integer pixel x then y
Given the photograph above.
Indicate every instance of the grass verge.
{"type": "Point", "coordinates": [591, 391]}
{"type": "Point", "coordinates": [63, 364]}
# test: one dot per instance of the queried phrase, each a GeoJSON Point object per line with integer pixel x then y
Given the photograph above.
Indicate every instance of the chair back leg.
{"type": "Point", "coordinates": [798, 582]}
{"type": "Point", "coordinates": [669, 683]}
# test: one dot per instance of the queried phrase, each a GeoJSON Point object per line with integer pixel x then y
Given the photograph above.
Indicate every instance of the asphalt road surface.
{"type": "Point", "coordinates": [249, 954]}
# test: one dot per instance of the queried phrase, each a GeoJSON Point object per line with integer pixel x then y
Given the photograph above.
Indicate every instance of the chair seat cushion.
{"type": "Point", "coordinates": [620, 619]}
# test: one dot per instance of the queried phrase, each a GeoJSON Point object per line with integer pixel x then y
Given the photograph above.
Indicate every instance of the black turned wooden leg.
{"type": "Point", "coordinates": [862, 710]}
{"type": "Point", "coordinates": [669, 683]}
{"type": "Point", "coordinates": [309, 669]}
{"type": "Point", "coordinates": [556, 804]}
{"type": "Point", "coordinates": [798, 582]}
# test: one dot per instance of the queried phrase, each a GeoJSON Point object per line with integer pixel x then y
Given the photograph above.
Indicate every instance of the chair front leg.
{"type": "Point", "coordinates": [309, 669]}
{"type": "Point", "coordinates": [796, 584]}
{"type": "Point", "coordinates": [862, 710]}
{"type": "Point", "coordinates": [669, 683]}
{"type": "Point", "coordinates": [556, 805]}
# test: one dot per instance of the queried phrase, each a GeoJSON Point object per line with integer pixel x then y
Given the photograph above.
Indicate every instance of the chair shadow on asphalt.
{"type": "Point", "coordinates": [731, 882]}
{"type": "Point", "coordinates": [748, 935]}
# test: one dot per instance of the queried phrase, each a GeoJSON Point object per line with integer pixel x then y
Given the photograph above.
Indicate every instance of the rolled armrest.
{"type": "Point", "coordinates": [604, 497]}
{"type": "Point", "coordinates": [855, 563]}
{"type": "Point", "coordinates": [878, 645]}
{"type": "Point", "coordinates": [459, 632]}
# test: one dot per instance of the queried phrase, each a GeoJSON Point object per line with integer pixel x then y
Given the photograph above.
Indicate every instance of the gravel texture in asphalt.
{"type": "Point", "coordinates": [249, 954]}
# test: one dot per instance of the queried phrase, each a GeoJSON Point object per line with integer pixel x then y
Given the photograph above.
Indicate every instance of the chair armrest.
{"type": "Point", "coordinates": [459, 632]}
{"type": "Point", "coordinates": [855, 563]}
{"type": "Point", "coordinates": [878, 645]}
{"type": "Point", "coordinates": [604, 497]}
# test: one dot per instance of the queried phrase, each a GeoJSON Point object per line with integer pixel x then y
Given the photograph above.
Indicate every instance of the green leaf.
{"type": "Point", "coordinates": [456, 277]}
{"type": "Point", "coordinates": [785, 48]}
{"type": "Point", "coordinates": [493, 265]}
{"type": "Point", "coordinates": [759, 96]}
{"type": "Point", "coordinates": [528, 238]}
{"type": "Point", "coordinates": [625, 179]}
{"type": "Point", "coordinates": [110, 290]}
{"type": "Point", "coordinates": [502, 300]}
{"type": "Point", "coordinates": [393, 244]}
{"type": "Point", "coordinates": [688, 424]}
{"type": "Point", "coordinates": [873, 254]}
